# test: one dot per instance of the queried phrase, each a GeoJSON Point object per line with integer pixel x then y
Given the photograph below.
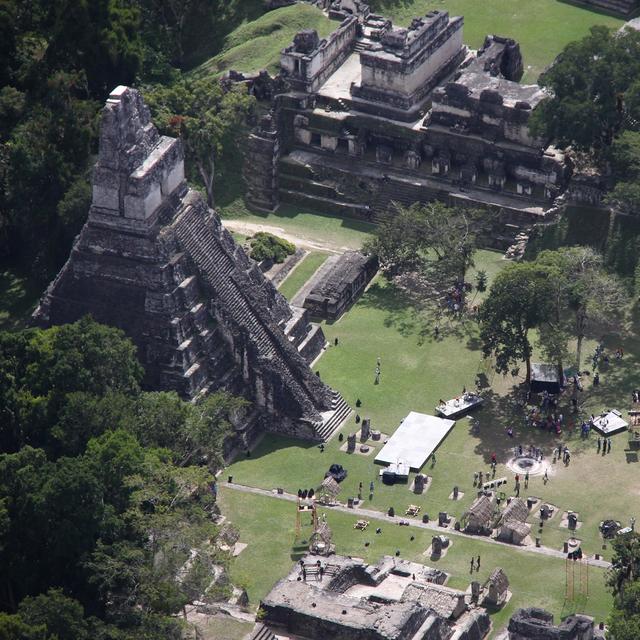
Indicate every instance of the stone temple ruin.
{"type": "Point", "coordinates": [537, 624]}
{"type": "Point", "coordinates": [392, 600]}
{"type": "Point", "coordinates": [155, 261]}
{"type": "Point", "coordinates": [339, 283]}
{"type": "Point", "coordinates": [376, 114]}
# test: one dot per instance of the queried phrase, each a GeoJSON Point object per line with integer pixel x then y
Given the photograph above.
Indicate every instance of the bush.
{"type": "Point", "coordinates": [266, 246]}
{"type": "Point", "coordinates": [481, 281]}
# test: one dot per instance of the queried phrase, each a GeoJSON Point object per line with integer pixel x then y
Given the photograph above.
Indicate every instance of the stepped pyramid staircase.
{"type": "Point", "coordinates": [262, 632]}
{"type": "Point", "coordinates": [156, 262]}
{"type": "Point", "coordinates": [218, 274]}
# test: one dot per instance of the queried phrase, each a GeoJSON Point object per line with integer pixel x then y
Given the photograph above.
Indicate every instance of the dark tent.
{"type": "Point", "coordinates": [544, 377]}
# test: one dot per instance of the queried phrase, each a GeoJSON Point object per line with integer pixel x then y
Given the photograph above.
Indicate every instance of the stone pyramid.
{"type": "Point", "coordinates": [155, 261]}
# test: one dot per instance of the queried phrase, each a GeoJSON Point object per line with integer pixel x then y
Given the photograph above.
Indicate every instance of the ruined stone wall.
{"type": "Point", "coordinates": [411, 62]}
{"type": "Point", "coordinates": [537, 624]}
{"type": "Point", "coordinates": [306, 70]}
{"type": "Point", "coordinates": [319, 627]}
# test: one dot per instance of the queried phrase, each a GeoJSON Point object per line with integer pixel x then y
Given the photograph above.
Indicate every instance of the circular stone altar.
{"type": "Point", "coordinates": [522, 464]}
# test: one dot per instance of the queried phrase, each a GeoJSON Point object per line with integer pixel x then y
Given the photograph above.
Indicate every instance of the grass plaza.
{"type": "Point", "coordinates": [418, 369]}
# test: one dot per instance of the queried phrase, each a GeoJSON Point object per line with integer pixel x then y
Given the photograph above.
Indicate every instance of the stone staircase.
{"type": "Point", "coordinates": [340, 411]}
{"type": "Point", "coordinates": [216, 268]}
{"type": "Point", "coordinates": [262, 632]}
{"type": "Point", "coordinates": [621, 7]}
{"type": "Point", "coordinates": [398, 191]}
{"type": "Point", "coordinates": [224, 281]}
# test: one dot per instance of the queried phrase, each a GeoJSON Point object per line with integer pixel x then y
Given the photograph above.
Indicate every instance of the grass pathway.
{"type": "Point", "coordinates": [301, 274]}
{"type": "Point", "coordinates": [431, 525]}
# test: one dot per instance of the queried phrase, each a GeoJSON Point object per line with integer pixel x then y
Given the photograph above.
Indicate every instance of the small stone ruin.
{"type": "Point", "coordinates": [392, 600]}
{"type": "Point", "coordinates": [341, 281]}
{"type": "Point", "coordinates": [537, 624]}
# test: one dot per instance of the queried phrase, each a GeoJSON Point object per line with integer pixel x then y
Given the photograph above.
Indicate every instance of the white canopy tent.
{"type": "Point", "coordinates": [610, 422]}
{"type": "Point", "coordinates": [415, 440]}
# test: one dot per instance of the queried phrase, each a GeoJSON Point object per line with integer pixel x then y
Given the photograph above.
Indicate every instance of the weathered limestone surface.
{"type": "Point", "coordinates": [392, 600]}
{"type": "Point", "coordinates": [341, 285]}
{"type": "Point", "coordinates": [377, 115]}
{"type": "Point", "coordinates": [155, 261]}
{"type": "Point", "coordinates": [407, 63]}
{"type": "Point", "coordinates": [537, 624]}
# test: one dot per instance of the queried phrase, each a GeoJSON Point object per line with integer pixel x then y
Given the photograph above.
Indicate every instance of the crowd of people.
{"type": "Point", "coordinates": [455, 296]}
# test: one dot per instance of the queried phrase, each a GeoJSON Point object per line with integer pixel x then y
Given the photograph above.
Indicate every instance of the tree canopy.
{"type": "Point", "coordinates": [266, 246]}
{"type": "Point", "coordinates": [427, 237]}
{"type": "Point", "coordinates": [563, 294]}
{"type": "Point", "coordinates": [207, 117]}
{"type": "Point", "coordinates": [517, 303]}
{"type": "Point", "coordinates": [59, 59]}
{"type": "Point", "coordinates": [106, 501]}
{"type": "Point", "coordinates": [624, 581]}
{"type": "Point", "coordinates": [595, 84]}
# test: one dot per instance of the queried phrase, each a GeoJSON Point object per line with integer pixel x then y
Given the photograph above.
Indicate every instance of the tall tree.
{"type": "Point", "coordinates": [208, 118]}
{"type": "Point", "coordinates": [624, 581]}
{"type": "Point", "coordinates": [590, 83]}
{"type": "Point", "coordinates": [624, 156]}
{"type": "Point", "coordinates": [427, 237]}
{"type": "Point", "coordinates": [517, 302]}
{"type": "Point", "coordinates": [583, 291]}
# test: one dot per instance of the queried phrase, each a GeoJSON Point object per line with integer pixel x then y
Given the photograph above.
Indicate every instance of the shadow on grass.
{"type": "Point", "coordinates": [271, 443]}
{"type": "Point", "coordinates": [411, 316]}
{"type": "Point", "coordinates": [299, 549]}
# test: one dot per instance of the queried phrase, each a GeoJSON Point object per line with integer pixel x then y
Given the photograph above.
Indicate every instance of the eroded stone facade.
{"type": "Point", "coordinates": [155, 261]}
{"type": "Point", "coordinates": [377, 114]}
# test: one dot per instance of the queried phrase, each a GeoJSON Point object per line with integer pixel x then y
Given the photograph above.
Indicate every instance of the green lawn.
{"type": "Point", "coordinates": [542, 27]}
{"type": "Point", "coordinates": [267, 525]}
{"type": "Point", "coordinates": [18, 298]}
{"type": "Point", "coordinates": [256, 45]}
{"type": "Point", "coordinates": [302, 272]}
{"type": "Point", "coordinates": [417, 370]}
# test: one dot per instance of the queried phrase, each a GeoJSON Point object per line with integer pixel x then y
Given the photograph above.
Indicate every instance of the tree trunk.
{"type": "Point", "coordinates": [528, 363]}
{"type": "Point", "coordinates": [579, 352]}
{"type": "Point", "coordinates": [207, 178]}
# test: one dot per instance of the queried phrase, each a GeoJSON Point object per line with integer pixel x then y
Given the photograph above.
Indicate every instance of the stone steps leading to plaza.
{"type": "Point", "coordinates": [620, 7]}
{"type": "Point", "coordinates": [341, 207]}
{"type": "Point", "coordinates": [402, 193]}
{"type": "Point", "coordinates": [341, 411]}
{"type": "Point", "coordinates": [261, 632]}
{"type": "Point", "coordinates": [241, 303]}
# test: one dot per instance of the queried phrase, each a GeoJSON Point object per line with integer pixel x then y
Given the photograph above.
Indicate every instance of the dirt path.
{"type": "Point", "coordinates": [249, 228]}
{"type": "Point", "coordinates": [378, 515]}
